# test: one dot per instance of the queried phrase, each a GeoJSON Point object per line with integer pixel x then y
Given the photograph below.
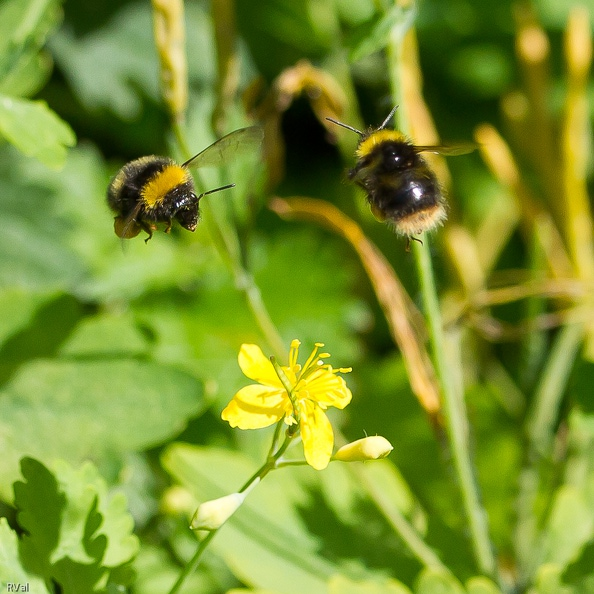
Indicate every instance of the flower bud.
{"type": "Point", "coordinates": [177, 500]}
{"type": "Point", "coordinates": [213, 514]}
{"type": "Point", "coordinates": [368, 448]}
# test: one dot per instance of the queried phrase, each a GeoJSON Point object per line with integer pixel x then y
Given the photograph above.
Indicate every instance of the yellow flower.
{"type": "Point", "coordinates": [302, 396]}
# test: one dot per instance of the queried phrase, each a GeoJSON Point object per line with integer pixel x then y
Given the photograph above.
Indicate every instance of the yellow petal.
{"type": "Point", "coordinates": [256, 366]}
{"type": "Point", "coordinates": [250, 415]}
{"type": "Point", "coordinates": [327, 388]}
{"type": "Point", "coordinates": [317, 436]}
{"type": "Point", "coordinates": [262, 396]}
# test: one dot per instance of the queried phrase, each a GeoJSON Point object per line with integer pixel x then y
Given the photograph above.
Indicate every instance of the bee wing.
{"type": "Point", "coordinates": [226, 147]}
{"type": "Point", "coordinates": [451, 150]}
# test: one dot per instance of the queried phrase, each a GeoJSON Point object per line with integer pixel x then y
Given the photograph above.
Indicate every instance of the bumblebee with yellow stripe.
{"type": "Point", "coordinates": [153, 189]}
{"type": "Point", "coordinates": [401, 188]}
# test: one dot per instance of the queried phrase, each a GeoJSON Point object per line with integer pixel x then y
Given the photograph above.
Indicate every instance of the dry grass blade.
{"type": "Point", "coordinates": [170, 35]}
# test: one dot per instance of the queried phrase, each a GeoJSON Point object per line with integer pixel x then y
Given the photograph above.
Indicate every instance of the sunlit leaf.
{"type": "Point", "coordinates": [35, 130]}
{"type": "Point", "coordinates": [437, 582]}
{"type": "Point", "coordinates": [342, 585]}
{"type": "Point", "coordinates": [24, 26]}
{"type": "Point", "coordinates": [570, 526]}
{"type": "Point", "coordinates": [266, 539]}
{"type": "Point", "coordinates": [11, 568]}
{"type": "Point", "coordinates": [391, 26]}
{"type": "Point", "coordinates": [481, 585]}
{"type": "Point", "coordinates": [116, 65]}
{"type": "Point", "coordinates": [91, 409]}
{"type": "Point", "coordinates": [75, 533]}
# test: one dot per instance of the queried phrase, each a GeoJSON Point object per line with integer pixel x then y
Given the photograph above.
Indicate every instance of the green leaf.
{"type": "Point", "coordinates": [85, 489]}
{"type": "Point", "coordinates": [74, 534]}
{"type": "Point", "coordinates": [11, 569]}
{"type": "Point", "coordinates": [346, 487]}
{"type": "Point", "coordinates": [40, 507]}
{"type": "Point", "coordinates": [341, 585]}
{"type": "Point", "coordinates": [548, 581]}
{"type": "Point", "coordinates": [481, 585]}
{"type": "Point", "coordinates": [116, 65]}
{"type": "Point", "coordinates": [483, 69]}
{"type": "Point", "coordinates": [265, 540]}
{"type": "Point", "coordinates": [35, 130]}
{"type": "Point", "coordinates": [106, 334]}
{"type": "Point", "coordinates": [580, 572]}
{"type": "Point", "coordinates": [582, 381]}
{"type": "Point", "coordinates": [156, 571]}
{"type": "Point", "coordinates": [435, 582]}
{"type": "Point", "coordinates": [569, 528]}
{"type": "Point", "coordinates": [24, 27]}
{"type": "Point", "coordinates": [79, 410]}
{"type": "Point", "coordinates": [376, 36]}
{"type": "Point", "coordinates": [306, 280]}
{"type": "Point", "coordinates": [29, 77]}
{"type": "Point", "coordinates": [18, 308]}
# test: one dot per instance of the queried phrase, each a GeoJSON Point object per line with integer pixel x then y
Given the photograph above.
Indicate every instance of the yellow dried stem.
{"type": "Point", "coordinates": [223, 15]}
{"type": "Point", "coordinates": [533, 50]}
{"type": "Point", "coordinates": [550, 288]}
{"type": "Point", "coordinates": [169, 32]}
{"type": "Point", "coordinates": [327, 100]}
{"type": "Point", "coordinates": [326, 97]}
{"type": "Point", "coordinates": [391, 295]}
{"type": "Point", "coordinates": [577, 152]}
{"type": "Point", "coordinates": [464, 254]}
{"type": "Point", "coordinates": [576, 146]}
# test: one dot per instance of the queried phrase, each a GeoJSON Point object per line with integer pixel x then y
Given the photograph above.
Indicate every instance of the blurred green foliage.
{"type": "Point", "coordinates": [116, 360]}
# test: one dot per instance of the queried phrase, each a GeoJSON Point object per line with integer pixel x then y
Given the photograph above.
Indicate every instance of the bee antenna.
{"type": "Point", "coordinates": [385, 122]}
{"type": "Point", "coordinates": [346, 126]}
{"type": "Point", "coordinates": [217, 190]}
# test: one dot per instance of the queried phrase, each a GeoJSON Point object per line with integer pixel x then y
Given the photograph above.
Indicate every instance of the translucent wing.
{"type": "Point", "coordinates": [449, 150]}
{"type": "Point", "coordinates": [225, 148]}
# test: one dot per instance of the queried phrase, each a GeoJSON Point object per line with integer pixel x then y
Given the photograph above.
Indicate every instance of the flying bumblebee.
{"type": "Point", "coordinates": [154, 189]}
{"type": "Point", "coordinates": [401, 187]}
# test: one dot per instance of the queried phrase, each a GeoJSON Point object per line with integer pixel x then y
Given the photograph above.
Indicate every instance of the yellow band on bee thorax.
{"type": "Point", "coordinates": [155, 190]}
{"type": "Point", "coordinates": [378, 137]}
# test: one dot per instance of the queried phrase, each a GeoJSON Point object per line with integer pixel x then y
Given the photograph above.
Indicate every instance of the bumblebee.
{"type": "Point", "coordinates": [154, 189]}
{"type": "Point", "coordinates": [401, 188]}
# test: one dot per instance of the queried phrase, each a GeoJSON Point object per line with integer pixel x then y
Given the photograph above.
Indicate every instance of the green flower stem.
{"type": "Point", "coordinates": [270, 464]}
{"type": "Point", "coordinates": [277, 430]}
{"type": "Point", "coordinates": [227, 242]}
{"type": "Point", "coordinates": [452, 399]}
{"type": "Point", "coordinates": [455, 415]}
{"type": "Point", "coordinates": [193, 563]}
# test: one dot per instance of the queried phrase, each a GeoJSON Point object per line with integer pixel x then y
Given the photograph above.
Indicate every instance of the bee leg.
{"type": "Point", "coordinates": [168, 228]}
{"type": "Point", "coordinates": [147, 229]}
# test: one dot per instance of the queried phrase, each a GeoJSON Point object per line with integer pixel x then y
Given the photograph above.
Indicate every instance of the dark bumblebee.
{"type": "Point", "coordinates": [401, 187]}
{"type": "Point", "coordinates": [153, 189]}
